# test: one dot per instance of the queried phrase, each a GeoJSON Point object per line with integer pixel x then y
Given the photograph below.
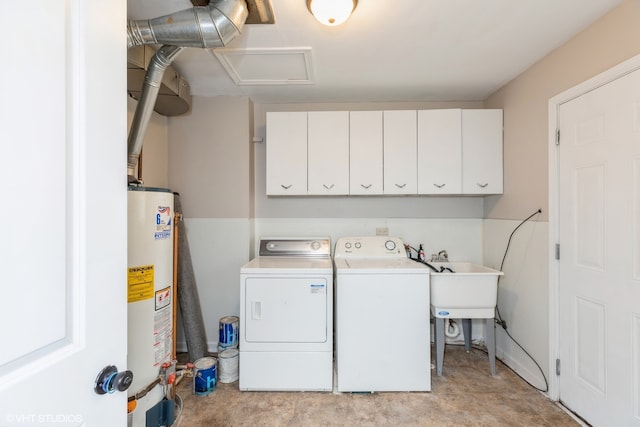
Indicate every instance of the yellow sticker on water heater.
{"type": "Point", "coordinates": [140, 283]}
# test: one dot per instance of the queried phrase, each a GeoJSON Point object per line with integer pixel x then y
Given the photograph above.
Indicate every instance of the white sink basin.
{"type": "Point", "coordinates": [471, 292]}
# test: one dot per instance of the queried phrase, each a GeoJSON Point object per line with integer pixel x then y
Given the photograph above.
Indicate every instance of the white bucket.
{"type": "Point", "coordinates": [228, 365]}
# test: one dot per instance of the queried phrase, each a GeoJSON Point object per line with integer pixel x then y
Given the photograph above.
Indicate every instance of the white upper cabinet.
{"type": "Point", "coordinates": [365, 152]}
{"type": "Point", "coordinates": [328, 145]}
{"type": "Point", "coordinates": [428, 152]}
{"type": "Point", "coordinates": [440, 151]}
{"type": "Point", "coordinates": [400, 152]}
{"type": "Point", "coordinates": [286, 153]}
{"type": "Point", "coordinates": [482, 151]}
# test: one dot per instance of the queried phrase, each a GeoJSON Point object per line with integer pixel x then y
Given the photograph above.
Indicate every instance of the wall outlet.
{"type": "Point", "coordinates": [382, 231]}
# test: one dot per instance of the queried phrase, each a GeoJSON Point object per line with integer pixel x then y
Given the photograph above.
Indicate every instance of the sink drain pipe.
{"type": "Point", "coordinates": [452, 330]}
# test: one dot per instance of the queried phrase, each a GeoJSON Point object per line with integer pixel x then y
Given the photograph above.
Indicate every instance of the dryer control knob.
{"type": "Point", "coordinates": [390, 245]}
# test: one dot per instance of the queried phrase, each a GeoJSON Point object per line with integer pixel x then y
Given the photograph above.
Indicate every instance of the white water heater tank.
{"type": "Point", "coordinates": [149, 291]}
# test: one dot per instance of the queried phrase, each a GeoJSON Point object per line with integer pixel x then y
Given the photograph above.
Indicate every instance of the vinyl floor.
{"type": "Point", "coordinates": [465, 395]}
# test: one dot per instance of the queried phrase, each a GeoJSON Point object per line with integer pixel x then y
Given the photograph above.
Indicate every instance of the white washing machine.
{"type": "Point", "coordinates": [382, 316]}
{"type": "Point", "coordinates": [286, 316]}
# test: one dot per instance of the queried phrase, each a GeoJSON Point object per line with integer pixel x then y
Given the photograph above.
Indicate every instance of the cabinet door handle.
{"type": "Point", "coordinates": [482, 185]}
{"type": "Point", "coordinates": [286, 187]}
{"type": "Point", "coordinates": [327, 187]}
{"type": "Point", "coordinates": [366, 187]}
{"type": "Point", "coordinates": [400, 185]}
{"type": "Point", "coordinates": [440, 185]}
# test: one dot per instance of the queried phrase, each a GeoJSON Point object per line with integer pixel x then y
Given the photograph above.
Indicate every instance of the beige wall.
{"type": "Point", "coordinates": [608, 42]}
{"type": "Point", "coordinates": [210, 158]}
{"type": "Point", "coordinates": [210, 165]}
{"type": "Point", "coordinates": [523, 293]}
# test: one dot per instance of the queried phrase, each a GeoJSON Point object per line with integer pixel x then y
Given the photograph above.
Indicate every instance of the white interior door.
{"type": "Point", "coordinates": [599, 266]}
{"type": "Point", "coordinates": [63, 120]}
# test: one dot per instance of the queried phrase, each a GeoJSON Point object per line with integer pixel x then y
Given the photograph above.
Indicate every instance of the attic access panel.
{"type": "Point", "coordinates": [267, 66]}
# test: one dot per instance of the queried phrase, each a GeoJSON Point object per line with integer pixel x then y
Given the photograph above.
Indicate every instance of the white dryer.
{"type": "Point", "coordinates": [286, 316]}
{"type": "Point", "coordinates": [382, 317]}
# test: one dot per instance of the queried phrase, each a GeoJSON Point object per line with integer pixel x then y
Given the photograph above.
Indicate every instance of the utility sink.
{"type": "Point", "coordinates": [471, 292]}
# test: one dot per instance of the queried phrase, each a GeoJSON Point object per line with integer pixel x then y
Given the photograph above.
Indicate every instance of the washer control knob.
{"type": "Point", "coordinates": [347, 245]}
{"type": "Point", "coordinates": [315, 245]}
{"type": "Point", "coordinates": [358, 245]}
{"type": "Point", "coordinates": [390, 245]}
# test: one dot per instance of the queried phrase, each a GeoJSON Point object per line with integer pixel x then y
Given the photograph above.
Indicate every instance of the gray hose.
{"type": "Point", "coordinates": [188, 300]}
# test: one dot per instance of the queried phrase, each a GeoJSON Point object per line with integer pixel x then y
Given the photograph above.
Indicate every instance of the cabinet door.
{"type": "Point", "coordinates": [328, 145]}
{"type": "Point", "coordinates": [286, 153]}
{"type": "Point", "coordinates": [482, 151]}
{"type": "Point", "coordinates": [400, 152]}
{"type": "Point", "coordinates": [440, 151]}
{"type": "Point", "coordinates": [365, 152]}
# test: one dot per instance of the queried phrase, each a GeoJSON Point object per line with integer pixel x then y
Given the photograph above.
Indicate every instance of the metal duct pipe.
{"type": "Point", "coordinates": [209, 26]}
{"type": "Point", "coordinates": [204, 27]}
{"type": "Point", "coordinates": [152, 81]}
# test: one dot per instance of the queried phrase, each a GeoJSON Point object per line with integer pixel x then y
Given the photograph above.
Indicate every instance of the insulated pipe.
{"type": "Point", "coordinates": [190, 311]}
{"type": "Point", "coordinates": [152, 81]}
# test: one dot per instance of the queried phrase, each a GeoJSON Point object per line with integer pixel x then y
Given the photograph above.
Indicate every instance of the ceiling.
{"type": "Point", "coordinates": [401, 50]}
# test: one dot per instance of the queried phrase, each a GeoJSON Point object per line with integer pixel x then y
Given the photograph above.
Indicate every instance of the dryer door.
{"type": "Point", "coordinates": [286, 309]}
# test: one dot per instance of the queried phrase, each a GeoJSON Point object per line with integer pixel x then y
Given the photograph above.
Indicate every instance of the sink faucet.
{"type": "Point", "coordinates": [441, 256]}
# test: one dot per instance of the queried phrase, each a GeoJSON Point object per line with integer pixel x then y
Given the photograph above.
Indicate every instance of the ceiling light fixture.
{"type": "Point", "coordinates": [331, 12]}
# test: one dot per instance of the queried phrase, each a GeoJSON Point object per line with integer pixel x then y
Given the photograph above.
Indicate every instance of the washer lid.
{"type": "Point", "coordinates": [379, 266]}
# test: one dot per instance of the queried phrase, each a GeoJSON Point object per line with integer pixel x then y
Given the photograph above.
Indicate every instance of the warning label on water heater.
{"type": "Point", "coordinates": [163, 298]}
{"type": "Point", "coordinates": [140, 283]}
{"type": "Point", "coordinates": [163, 223]}
{"type": "Point", "coordinates": [162, 334]}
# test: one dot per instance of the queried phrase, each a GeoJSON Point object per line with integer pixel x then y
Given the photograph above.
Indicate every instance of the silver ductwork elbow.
{"type": "Point", "coordinates": [206, 27]}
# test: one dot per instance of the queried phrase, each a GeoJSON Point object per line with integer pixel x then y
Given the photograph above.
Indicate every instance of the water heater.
{"type": "Point", "coordinates": [149, 293]}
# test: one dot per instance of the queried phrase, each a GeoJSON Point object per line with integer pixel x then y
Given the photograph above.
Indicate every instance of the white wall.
{"type": "Point", "coordinates": [462, 238]}
{"type": "Point", "coordinates": [219, 247]}
{"type": "Point", "coordinates": [522, 293]}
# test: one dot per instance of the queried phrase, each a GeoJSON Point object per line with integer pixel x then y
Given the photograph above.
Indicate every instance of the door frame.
{"type": "Point", "coordinates": [593, 83]}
